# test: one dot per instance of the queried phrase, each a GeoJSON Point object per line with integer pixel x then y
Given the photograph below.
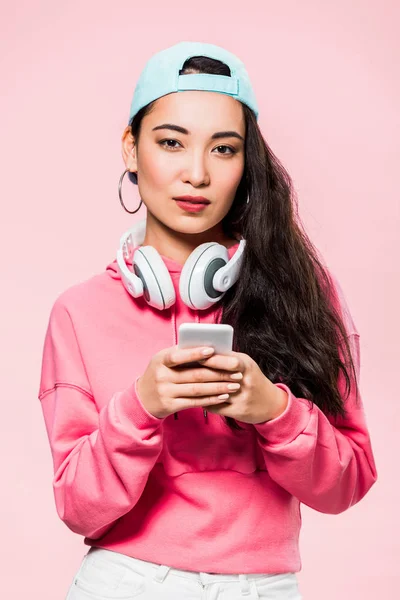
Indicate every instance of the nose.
{"type": "Point", "coordinates": [196, 171]}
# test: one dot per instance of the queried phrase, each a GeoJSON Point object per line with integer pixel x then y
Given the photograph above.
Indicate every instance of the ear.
{"type": "Point", "coordinates": [129, 149]}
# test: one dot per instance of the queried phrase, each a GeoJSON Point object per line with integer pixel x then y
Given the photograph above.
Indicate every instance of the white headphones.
{"type": "Point", "coordinates": [206, 272]}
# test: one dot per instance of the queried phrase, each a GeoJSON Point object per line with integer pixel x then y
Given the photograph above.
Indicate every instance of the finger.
{"type": "Point", "coordinates": [204, 401]}
{"type": "Point", "coordinates": [201, 374]}
{"type": "Point", "coordinates": [194, 390]}
{"type": "Point", "coordinates": [225, 362]}
{"type": "Point", "coordinates": [178, 356]}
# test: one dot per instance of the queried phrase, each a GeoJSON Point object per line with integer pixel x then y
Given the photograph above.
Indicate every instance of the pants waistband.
{"type": "Point", "coordinates": [160, 572]}
{"type": "Point", "coordinates": [245, 580]}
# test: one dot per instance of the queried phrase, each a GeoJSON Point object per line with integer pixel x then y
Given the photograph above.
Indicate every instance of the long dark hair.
{"type": "Point", "coordinates": [281, 307]}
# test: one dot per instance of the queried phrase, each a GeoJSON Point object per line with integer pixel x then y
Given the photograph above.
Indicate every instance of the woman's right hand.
{"type": "Point", "coordinates": [158, 387]}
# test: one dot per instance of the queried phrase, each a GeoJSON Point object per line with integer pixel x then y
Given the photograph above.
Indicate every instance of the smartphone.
{"type": "Point", "coordinates": [217, 335]}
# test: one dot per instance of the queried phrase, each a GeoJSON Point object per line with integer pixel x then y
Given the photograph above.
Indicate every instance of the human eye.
{"type": "Point", "coordinates": [162, 143]}
{"type": "Point", "coordinates": [232, 150]}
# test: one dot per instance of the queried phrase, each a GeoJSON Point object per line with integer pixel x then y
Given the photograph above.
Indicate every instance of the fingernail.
{"type": "Point", "coordinates": [233, 386]}
{"type": "Point", "coordinates": [207, 351]}
{"type": "Point", "coordinates": [236, 376]}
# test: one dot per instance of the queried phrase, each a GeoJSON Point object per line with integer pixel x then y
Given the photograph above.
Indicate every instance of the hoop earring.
{"type": "Point", "coordinates": [120, 197]}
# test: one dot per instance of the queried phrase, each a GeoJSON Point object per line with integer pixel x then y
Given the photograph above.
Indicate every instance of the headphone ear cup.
{"type": "Point", "coordinates": [158, 288]}
{"type": "Point", "coordinates": [195, 284]}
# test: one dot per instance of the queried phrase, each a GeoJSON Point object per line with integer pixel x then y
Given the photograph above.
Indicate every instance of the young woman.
{"type": "Point", "coordinates": [183, 487]}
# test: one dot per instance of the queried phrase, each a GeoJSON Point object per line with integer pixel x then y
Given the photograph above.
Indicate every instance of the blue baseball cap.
{"type": "Point", "coordinates": [160, 76]}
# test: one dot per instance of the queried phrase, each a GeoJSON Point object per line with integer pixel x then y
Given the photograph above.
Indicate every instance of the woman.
{"type": "Point", "coordinates": [183, 487]}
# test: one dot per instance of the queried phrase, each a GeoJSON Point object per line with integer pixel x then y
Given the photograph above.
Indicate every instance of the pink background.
{"type": "Point", "coordinates": [326, 79]}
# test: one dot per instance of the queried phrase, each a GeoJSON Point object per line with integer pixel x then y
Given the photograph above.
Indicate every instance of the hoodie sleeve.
{"type": "Point", "coordinates": [101, 459]}
{"type": "Point", "coordinates": [325, 462]}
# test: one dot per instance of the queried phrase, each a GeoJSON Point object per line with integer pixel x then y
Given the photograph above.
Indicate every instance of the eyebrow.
{"type": "Point", "coordinates": [216, 136]}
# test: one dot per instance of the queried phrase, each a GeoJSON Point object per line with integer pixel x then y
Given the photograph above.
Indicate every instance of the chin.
{"type": "Point", "coordinates": [191, 228]}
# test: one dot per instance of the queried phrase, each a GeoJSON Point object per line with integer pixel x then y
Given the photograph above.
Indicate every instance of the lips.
{"type": "Point", "coordinates": [192, 200]}
{"type": "Point", "coordinates": [192, 207]}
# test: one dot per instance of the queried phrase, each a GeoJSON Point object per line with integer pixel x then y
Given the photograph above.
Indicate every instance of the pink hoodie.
{"type": "Point", "coordinates": [188, 493]}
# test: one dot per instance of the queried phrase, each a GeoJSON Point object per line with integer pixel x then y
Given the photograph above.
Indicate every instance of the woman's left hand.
{"type": "Point", "coordinates": [257, 400]}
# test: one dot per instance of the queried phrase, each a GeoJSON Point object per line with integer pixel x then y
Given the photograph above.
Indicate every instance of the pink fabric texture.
{"type": "Point", "coordinates": [187, 493]}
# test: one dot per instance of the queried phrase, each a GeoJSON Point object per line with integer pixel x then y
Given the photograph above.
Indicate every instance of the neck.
{"type": "Point", "coordinates": [177, 245]}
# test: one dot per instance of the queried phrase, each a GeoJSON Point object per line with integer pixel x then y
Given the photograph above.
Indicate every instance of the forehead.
{"type": "Point", "coordinates": [198, 111]}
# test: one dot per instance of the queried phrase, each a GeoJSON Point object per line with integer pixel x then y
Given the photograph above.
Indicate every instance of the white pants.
{"type": "Point", "coordinates": [107, 575]}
